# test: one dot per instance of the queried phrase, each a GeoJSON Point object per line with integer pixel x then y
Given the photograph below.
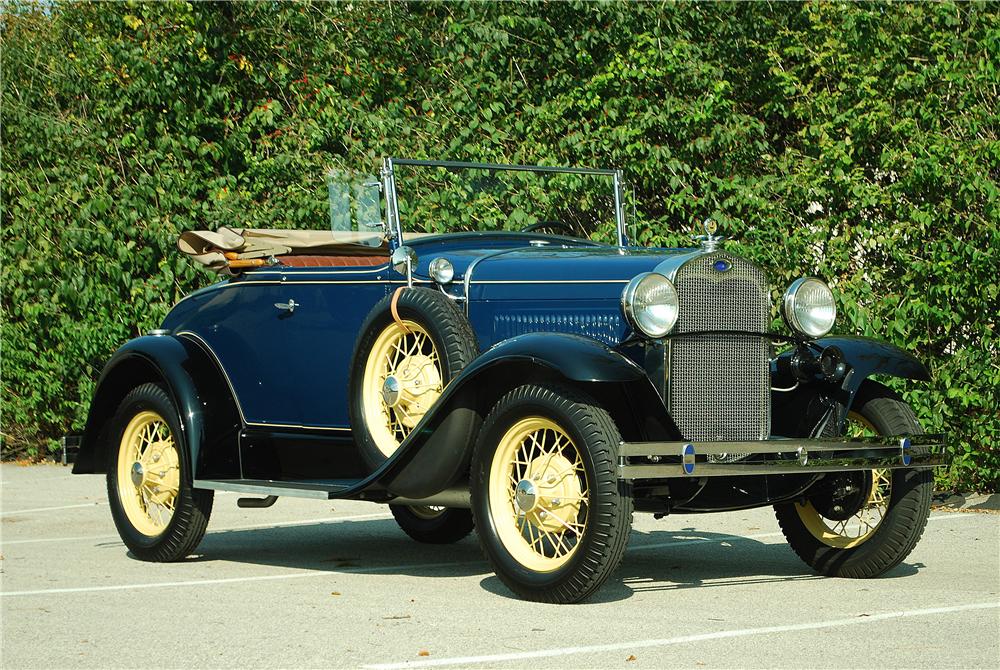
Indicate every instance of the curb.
{"type": "Point", "coordinates": [966, 502]}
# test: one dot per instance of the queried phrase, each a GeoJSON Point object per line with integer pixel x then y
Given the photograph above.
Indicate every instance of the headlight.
{"type": "Point", "coordinates": [441, 270]}
{"type": "Point", "coordinates": [650, 304]}
{"type": "Point", "coordinates": [808, 307]}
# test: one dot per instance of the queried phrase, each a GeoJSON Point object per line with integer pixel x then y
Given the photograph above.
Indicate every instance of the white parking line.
{"type": "Point", "coordinates": [234, 580]}
{"type": "Point", "coordinates": [313, 573]}
{"type": "Point", "coordinates": [49, 509]}
{"type": "Point", "coordinates": [665, 642]}
{"type": "Point", "coordinates": [249, 526]}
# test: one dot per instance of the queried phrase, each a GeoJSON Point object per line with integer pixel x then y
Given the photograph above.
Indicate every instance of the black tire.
{"type": "Point", "coordinates": [905, 514]}
{"type": "Point", "coordinates": [606, 519]}
{"type": "Point", "coordinates": [433, 525]}
{"type": "Point", "coordinates": [453, 340]}
{"type": "Point", "coordinates": [192, 508]}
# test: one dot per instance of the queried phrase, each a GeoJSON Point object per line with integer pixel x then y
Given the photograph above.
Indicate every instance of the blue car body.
{"type": "Point", "coordinates": [537, 379]}
{"type": "Point", "coordinates": [263, 390]}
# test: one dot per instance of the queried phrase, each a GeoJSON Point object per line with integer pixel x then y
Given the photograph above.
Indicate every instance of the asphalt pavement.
{"type": "Point", "coordinates": [323, 584]}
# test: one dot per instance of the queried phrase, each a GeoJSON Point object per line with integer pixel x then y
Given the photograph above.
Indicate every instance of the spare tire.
{"type": "Point", "coordinates": [401, 364]}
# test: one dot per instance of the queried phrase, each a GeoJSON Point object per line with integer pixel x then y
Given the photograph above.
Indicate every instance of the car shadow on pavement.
{"type": "Point", "coordinates": [347, 546]}
{"type": "Point", "coordinates": [655, 561]}
{"type": "Point", "coordinates": [683, 559]}
{"type": "Point", "coordinates": [664, 561]}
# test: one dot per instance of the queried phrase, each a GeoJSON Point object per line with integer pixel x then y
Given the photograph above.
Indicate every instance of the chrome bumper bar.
{"type": "Point", "coordinates": [648, 460]}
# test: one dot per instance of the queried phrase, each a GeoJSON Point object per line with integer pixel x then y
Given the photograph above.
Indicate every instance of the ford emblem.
{"type": "Point", "coordinates": [721, 265]}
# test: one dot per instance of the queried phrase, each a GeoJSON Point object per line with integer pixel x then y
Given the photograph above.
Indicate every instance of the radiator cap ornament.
{"type": "Point", "coordinates": [709, 241]}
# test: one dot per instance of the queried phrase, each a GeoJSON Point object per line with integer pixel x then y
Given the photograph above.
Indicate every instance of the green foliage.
{"type": "Point", "coordinates": [856, 142]}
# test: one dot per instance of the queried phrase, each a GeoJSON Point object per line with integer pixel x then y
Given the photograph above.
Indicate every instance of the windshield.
{"type": "Point", "coordinates": [447, 197]}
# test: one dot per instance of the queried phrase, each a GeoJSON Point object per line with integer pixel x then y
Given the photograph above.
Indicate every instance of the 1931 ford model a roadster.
{"type": "Point", "coordinates": [539, 384]}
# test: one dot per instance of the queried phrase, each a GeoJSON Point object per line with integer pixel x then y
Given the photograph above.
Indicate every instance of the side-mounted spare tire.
{"type": "Point", "coordinates": [410, 346]}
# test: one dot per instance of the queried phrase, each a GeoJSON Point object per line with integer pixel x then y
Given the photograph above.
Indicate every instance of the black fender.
{"type": "Point", "coordinates": [819, 407]}
{"type": "Point", "coordinates": [209, 415]}
{"type": "Point", "coordinates": [429, 459]}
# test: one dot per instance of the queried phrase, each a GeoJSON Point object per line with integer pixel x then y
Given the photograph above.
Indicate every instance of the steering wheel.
{"type": "Point", "coordinates": [551, 225]}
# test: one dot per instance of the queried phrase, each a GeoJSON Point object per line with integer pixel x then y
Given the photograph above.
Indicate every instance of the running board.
{"type": "Point", "coordinates": [265, 487]}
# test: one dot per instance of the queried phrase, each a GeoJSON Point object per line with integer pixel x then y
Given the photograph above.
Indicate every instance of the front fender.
{"type": "Point", "coordinates": [867, 357]}
{"type": "Point", "coordinates": [430, 459]}
{"type": "Point", "coordinates": [574, 357]}
{"type": "Point", "coordinates": [821, 408]}
{"type": "Point", "coordinates": [206, 411]}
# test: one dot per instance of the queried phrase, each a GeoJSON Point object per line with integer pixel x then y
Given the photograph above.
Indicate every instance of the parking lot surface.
{"type": "Point", "coordinates": [336, 584]}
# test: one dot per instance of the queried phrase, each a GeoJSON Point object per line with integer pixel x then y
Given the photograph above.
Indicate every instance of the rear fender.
{"type": "Point", "coordinates": [209, 417]}
{"type": "Point", "coordinates": [430, 460]}
{"type": "Point", "coordinates": [817, 407]}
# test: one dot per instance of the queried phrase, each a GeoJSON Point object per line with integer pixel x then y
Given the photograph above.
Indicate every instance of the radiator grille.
{"type": "Point", "coordinates": [720, 383]}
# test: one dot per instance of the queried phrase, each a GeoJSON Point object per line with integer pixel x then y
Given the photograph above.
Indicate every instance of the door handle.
{"type": "Point", "coordinates": [287, 306]}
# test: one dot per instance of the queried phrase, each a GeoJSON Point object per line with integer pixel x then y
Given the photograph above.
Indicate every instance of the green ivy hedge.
{"type": "Point", "coordinates": [857, 142]}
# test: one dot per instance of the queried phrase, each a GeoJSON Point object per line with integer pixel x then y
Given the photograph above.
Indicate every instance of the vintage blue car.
{"type": "Point", "coordinates": [483, 346]}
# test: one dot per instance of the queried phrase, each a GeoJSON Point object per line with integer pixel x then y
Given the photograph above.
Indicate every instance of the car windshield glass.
{"type": "Point", "coordinates": [353, 205]}
{"type": "Point", "coordinates": [442, 197]}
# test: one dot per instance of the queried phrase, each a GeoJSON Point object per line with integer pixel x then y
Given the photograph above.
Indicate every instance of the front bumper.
{"type": "Point", "coordinates": [654, 460]}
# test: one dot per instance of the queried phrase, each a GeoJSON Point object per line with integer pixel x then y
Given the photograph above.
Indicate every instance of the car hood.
{"type": "Point", "coordinates": [566, 264]}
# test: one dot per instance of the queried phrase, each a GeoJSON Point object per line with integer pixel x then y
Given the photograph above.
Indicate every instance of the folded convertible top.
{"type": "Point", "coordinates": [217, 250]}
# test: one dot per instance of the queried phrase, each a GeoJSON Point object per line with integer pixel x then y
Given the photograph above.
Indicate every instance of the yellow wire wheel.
{"type": "Point", "coordinates": [403, 378]}
{"type": "Point", "coordinates": [159, 516]}
{"type": "Point", "coordinates": [148, 473]}
{"type": "Point", "coordinates": [850, 530]}
{"type": "Point", "coordinates": [539, 495]}
{"type": "Point", "coordinates": [552, 516]}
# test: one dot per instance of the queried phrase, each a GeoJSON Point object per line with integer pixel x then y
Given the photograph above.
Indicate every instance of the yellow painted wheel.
{"type": "Point", "coordinates": [403, 378]}
{"type": "Point", "coordinates": [539, 495]}
{"type": "Point", "coordinates": [552, 516]}
{"type": "Point", "coordinates": [851, 530]}
{"type": "Point", "coordinates": [148, 473]}
{"type": "Point", "coordinates": [159, 516]}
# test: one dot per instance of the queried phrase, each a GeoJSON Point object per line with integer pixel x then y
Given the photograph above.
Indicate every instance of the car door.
{"type": "Point", "coordinates": [318, 337]}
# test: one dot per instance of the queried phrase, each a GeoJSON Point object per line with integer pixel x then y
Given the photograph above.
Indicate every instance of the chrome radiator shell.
{"type": "Point", "coordinates": [719, 383]}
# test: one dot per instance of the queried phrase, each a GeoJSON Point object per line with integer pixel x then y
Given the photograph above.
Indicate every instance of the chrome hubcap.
{"type": "Point", "coordinates": [391, 390]}
{"type": "Point", "coordinates": [525, 495]}
{"type": "Point", "coordinates": [137, 473]}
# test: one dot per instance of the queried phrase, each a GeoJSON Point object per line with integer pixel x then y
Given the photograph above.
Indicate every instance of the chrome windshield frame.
{"type": "Point", "coordinates": [394, 229]}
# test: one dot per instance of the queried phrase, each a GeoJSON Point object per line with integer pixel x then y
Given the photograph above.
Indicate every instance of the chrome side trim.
{"type": "Point", "coordinates": [795, 456]}
{"type": "Point", "coordinates": [467, 279]}
{"type": "Point", "coordinates": [258, 424]}
{"type": "Point", "coordinates": [290, 270]}
{"type": "Point", "coordinates": [551, 281]}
